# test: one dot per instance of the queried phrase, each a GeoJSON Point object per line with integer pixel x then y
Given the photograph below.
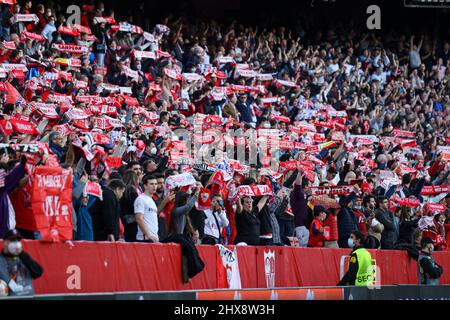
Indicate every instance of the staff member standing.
{"type": "Point", "coordinates": [360, 271]}
{"type": "Point", "coordinates": [429, 270]}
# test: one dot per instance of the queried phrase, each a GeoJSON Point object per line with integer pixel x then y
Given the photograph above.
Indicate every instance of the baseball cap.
{"type": "Point", "coordinates": [12, 235]}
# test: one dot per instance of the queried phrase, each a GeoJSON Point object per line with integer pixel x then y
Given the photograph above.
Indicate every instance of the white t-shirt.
{"type": "Point", "coordinates": [211, 228]}
{"type": "Point", "coordinates": [332, 68]}
{"type": "Point", "coordinates": [238, 57]}
{"type": "Point", "coordinates": [414, 59]}
{"type": "Point", "coordinates": [145, 205]}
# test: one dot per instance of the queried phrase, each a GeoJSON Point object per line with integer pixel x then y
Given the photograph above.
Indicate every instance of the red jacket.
{"type": "Point", "coordinates": [434, 234]}
{"type": "Point", "coordinates": [316, 240]}
{"type": "Point", "coordinates": [331, 221]}
{"type": "Point", "coordinates": [447, 235]}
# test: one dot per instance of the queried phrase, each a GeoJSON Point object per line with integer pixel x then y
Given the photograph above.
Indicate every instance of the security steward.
{"type": "Point", "coordinates": [360, 270]}
{"type": "Point", "coordinates": [429, 270]}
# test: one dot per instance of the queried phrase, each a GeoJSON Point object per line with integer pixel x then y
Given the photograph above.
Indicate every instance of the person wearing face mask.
{"type": "Point", "coordinates": [360, 271]}
{"type": "Point", "coordinates": [49, 29]}
{"type": "Point", "coordinates": [347, 221]}
{"type": "Point", "coordinates": [150, 153]}
{"type": "Point", "coordinates": [17, 268]}
{"type": "Point", "coordinates": [429, 271]}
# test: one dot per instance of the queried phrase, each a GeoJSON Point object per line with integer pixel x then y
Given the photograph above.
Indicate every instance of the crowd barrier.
{"type": "Point", "coordinates": [399, 292]}
{"type": "Point", "coordinates": [87, 267]}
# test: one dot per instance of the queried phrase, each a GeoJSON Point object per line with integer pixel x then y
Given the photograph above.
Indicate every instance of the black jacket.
{"type": "Point", "coordinates": [432, 271]}
{"type": "Point", "coordinates": [347, 223]}
{"type": "Point", "coordinates": [127, 214]}
{"type": "Point", "coordinates": [406, 231]}
{"type": "Point", "coordinates": [388, 237]}
{"type": "Point", "coordinates": [105, 216]}
{"type": "Point", "coordinates": [189, 253]}
{"type": "Point", "coordinates": [264, 218]}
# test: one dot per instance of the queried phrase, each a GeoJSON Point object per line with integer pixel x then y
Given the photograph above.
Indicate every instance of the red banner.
{"type": "Point", "coordinates": [47, 110]}
{"type": "Point", "coordinates": [71, 48]}
{"type": "Point", "coordinates": [445, 156]}
{"type": "Point", "coordinates": [328, 125]}
{"type": "Point", "coordinates": [163, 54]}
{"type": "Point", "coordinates": [129, 101]}
{"type": "Point", "coordinates": [105, 109]}
{"type": "Point", "coordinates": [93, 99]}
{"type": "Point", "coordinates": [436, 207]}
{"type": "Point", "coordinates": [281, 119]}
{"type": "Point", "coordinates": [10, 45]}
{"type": "Point", "coordinates": [432, 190]}
{"type": "Point", "coordinates": [114, 162]}
{"type": "Point", "coordinates": [63, 129]}
{"type": "Point", "coordinates": [288, 165]}
{"type": "Point", "coordinates": [326, 202]}
{"type": "Point", "coordinates": [332, 190]}
{"type": "Point", "coordinates": [254, 191]}
{"type": "Point", "coordinates": [51, 202]}
{"type": "Point", "coordinates": [33, 36]}
{"type": "Point", "coordinates": [23, 127]}
{"type": "Point", "coordinates": [409, 202]}
{"type": "Point", "coordinates": [402, 133]}
{"type": "Point", "coordinates": [94, 189]}
{"type": "Point", "coordinates": [69, 31]}
{"type": "Point", "coordinates": [82, 29]}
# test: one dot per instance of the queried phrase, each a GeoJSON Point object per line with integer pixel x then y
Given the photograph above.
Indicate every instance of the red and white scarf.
{"type": "Point", "coordinates": [30, 35]}
{"type": "Point", "coordinates": [332, 190]}
{"type": "Point", "coordinates": [70, 48]}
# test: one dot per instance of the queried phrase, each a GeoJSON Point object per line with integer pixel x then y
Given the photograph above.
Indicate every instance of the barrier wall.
{"type": "Point", "coordinates": [397, 292]}
{"type": "Point", "coordinates": [86, 267]}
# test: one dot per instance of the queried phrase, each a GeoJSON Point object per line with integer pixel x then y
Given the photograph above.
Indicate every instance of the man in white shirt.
{"type": "Point", "coordinates": [146, 211]}
{"type": "Point", "coordinates": [216, 219]}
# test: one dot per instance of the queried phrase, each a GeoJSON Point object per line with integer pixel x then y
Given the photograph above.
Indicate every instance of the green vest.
{"type": "Point", "coordinates": [365, 275]}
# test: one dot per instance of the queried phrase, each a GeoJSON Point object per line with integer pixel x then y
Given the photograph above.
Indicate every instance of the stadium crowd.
{"type": "Point", "coordinates": [360, 123]}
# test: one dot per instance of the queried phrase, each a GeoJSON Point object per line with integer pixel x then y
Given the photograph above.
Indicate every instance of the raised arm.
{"type": "Point", "coordinates": [262, 203]}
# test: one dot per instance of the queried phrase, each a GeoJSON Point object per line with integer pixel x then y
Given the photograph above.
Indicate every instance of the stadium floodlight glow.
{"type": "Point", "coordinates": [427, 4]}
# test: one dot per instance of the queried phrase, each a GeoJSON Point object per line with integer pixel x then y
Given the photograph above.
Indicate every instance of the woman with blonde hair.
{"type": "Point", "coordinates": [375, 229]}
